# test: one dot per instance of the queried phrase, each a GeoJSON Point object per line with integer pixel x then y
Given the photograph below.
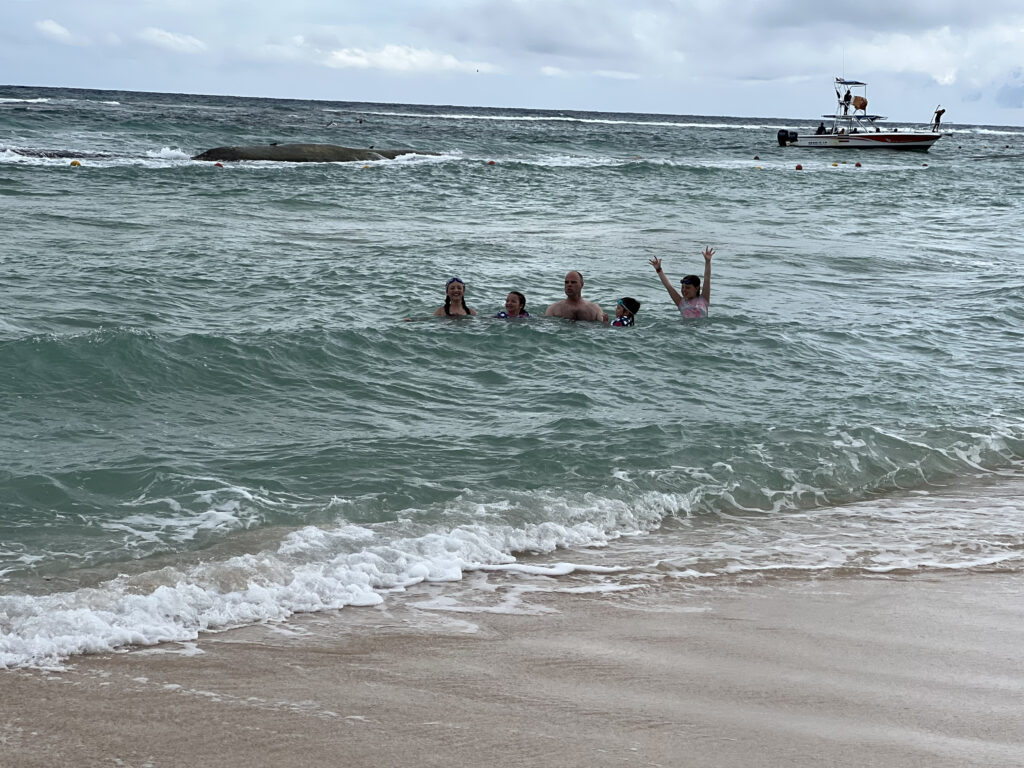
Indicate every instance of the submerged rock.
{"type": "Point", "coordinates": [305, 153]}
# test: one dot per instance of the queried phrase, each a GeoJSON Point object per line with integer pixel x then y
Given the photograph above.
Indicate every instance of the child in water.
{"type": "Point", "coordinates": [515, 307]}
{"type": "Point", "coordinates": [691, 300]}
{"type": "Point", "coordinates": [454, 300]}
{"type": "Point", "coordinates": [625, 311]}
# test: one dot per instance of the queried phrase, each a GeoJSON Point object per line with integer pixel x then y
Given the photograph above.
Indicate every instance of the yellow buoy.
{"type": "Point", "coordinates": [835, 165]}
{"type": "Point", "coordinates": [75, 163]}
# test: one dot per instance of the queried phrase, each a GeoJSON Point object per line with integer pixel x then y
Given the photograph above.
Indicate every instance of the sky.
{"type": "Point", "coordinates": [677, 57]}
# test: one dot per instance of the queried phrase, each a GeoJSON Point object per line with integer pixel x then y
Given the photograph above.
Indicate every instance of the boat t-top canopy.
{"type": "Point", "coordinates": [870, 118]}
{"type": "Point", "coordinates": [843, 81]}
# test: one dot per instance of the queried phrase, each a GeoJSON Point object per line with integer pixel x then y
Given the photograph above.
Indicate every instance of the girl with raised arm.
{"type": "Point", "coordinates": [690, 299]}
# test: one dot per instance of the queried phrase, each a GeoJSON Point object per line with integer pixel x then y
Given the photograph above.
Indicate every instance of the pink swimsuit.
{"type": "Point", "coordinates": [696, 308]}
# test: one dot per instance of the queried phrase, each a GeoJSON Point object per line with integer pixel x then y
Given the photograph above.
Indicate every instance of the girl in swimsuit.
{"type": "Point", "coordinates": [454, 300]}
{"type": "Point", "coordinates": [690, 299]}
{"type": "Point", "coordinates": [515, 307]}
{"type": "Point", "coordinates": [625, 312]}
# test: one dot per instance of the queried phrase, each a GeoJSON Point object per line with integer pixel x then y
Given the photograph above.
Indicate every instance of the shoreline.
{"type": "Point", "coordinates": [921, 671]}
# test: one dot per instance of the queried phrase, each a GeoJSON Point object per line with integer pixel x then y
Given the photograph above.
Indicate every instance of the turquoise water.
{"type": "Point", "coordinates": [215, 413]}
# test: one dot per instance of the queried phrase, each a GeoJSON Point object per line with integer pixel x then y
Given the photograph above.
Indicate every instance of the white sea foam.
{"type": "Point", "coordinates": [318, 569]}
{"type": "Point", "coordinates": [162, 158]}
{"type": "Point", "coordinates": [168, 153]}
{"type": "Point", "coordinates": [314, 569]}
{"type": "Point", "coordinates": [547, 119]}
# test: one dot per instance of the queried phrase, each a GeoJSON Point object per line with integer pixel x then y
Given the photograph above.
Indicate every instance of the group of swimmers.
{"type": "Point", "coordinates": [691, 299]}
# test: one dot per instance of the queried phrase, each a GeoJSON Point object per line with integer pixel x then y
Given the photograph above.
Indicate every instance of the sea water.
{"type": "Point", "coordinates": [215, 411]}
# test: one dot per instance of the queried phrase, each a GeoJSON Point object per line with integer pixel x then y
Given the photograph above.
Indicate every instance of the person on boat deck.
{"type": "Point", "coordinates": [821, 129]}
{"type": "Point", "coordinates": [454, 300]}
{"type": "Point", "coordinates": [689, 299]}
{"type": "Point", "coordinates": [847, 98]}
{"type": "Point", "coordinates": [625, 312]}
{"type": "Point", "coordinates": [515, 307]}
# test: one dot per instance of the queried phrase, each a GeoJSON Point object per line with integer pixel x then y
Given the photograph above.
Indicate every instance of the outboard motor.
{"type": "Point", "coordinates": [786, 137]}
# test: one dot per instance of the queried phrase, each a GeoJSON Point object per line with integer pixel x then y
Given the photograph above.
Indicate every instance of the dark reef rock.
{"type": "Point", "coordinates": [304, 153]}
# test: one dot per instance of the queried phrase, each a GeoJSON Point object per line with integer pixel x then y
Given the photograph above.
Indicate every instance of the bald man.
{"type": "Point", "coordinates": [574, 306]}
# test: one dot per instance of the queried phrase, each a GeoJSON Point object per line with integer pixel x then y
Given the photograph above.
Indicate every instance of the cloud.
{"type": "Point", "coordinates": [172, 42]}
{"type": "Point", "coordinates": [402, 58]}
{"type": "Point", "coordinates": [55, 31]}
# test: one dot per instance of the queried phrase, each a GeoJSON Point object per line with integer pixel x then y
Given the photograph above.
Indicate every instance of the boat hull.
{"type": "Point", "coordinates": [921, 142]}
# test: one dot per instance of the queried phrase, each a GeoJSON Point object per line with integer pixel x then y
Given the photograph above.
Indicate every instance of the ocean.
{"type": "Point", "coordinates": [225, 401]}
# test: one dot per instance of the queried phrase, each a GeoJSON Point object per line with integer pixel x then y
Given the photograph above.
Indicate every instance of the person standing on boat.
{"type": "Point", "coordinates": [939, 112]}
{"type": "Point", "coordinates": [821, 129]}
{"type": "Point", "coordinates": [690, 299]}
{"type": "Point", "coordinates": [847, 98]}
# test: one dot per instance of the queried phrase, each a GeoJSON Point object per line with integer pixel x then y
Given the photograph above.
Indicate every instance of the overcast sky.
{"type": "Point", "coordinates": [772, 58]}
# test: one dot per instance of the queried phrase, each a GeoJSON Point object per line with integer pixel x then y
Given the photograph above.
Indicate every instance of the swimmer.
{"type": "Point", "coordinates": [574, 306]}
{"type": "Point", "coordinates": [625, 312]}
{"type": "Point", "coordinates": [691, 300]}
{"type": "Point", "coordinates": [515, 307]}
{"type": "Point", "coordinates": [454, 300]}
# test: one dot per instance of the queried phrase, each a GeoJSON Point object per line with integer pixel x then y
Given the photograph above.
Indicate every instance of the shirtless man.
{"type": "Point", "coordinates": [574, 307]}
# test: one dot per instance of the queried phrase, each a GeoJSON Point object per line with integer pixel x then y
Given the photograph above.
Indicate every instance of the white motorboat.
{"type": "Point", "coordinates": [852, 127]}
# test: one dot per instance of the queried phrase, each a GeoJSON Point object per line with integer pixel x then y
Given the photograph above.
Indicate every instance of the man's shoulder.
{"type": "Point", "coordinates": [558, 308]}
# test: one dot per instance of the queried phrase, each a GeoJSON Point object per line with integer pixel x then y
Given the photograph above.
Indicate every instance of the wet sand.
{"type": "Point", "coordinates": [870, 672]}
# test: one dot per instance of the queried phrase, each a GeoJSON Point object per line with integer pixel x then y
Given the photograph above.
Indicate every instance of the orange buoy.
{"type": "Point", "coordinates": [218, 165]}
{"type": "Point", "coordinates": [490, 162]}
{"type": "Point", "coordinates": [799, 167]}
{"type": "Point", "coordinates": [857, 165]}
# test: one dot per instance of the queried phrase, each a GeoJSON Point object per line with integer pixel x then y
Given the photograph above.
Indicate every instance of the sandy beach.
{"type": "Point", "coordinates": [867, 672]}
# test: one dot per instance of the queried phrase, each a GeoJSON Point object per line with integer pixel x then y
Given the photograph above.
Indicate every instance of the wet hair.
{"type": "Point", "coordinates": [448, 299]}
{"type": "Point", "coordinates": [522, 300]}
{"type": "Point", "coordinates": [630, 304]}
{"type": "Point", "coordinates": [691, 280]}
{"type": "Point", "coordinates": [448, 304]}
